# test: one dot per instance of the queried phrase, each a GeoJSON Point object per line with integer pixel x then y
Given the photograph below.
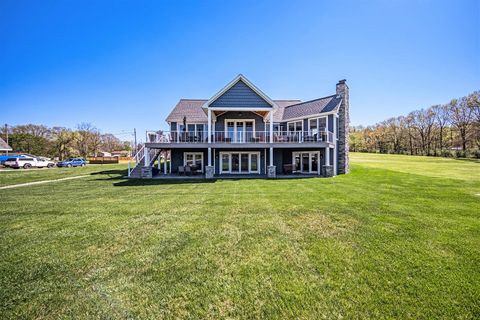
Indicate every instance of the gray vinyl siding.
{"type": "Point", "coordinates": [330, 122]}
{"type": "Point", "coordinates": [284, 156]}
{"type": "Point", "coordinates": [177, 158]}
{"type": "Point", "coordinates": [259, 124]}
{"type": "Point", "coordinates": [240, 96]}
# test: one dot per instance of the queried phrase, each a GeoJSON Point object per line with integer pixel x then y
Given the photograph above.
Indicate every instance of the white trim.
{"type": "Point", "coordinates": [209, 129]}
{"type": "Point", "coordinates": [317, 118]}
{"type": "Point", "coordinates": [295, 126]}
{"type": "Point", "coordinates": [226, 109]}
{"type": "Point", "coordinates": [234, 82]}
{"type": "Point", "coordinates": [310, 153]}
{"type": "Point", "coordinates": [271, 126]}
{"type": "Point", "coordinates": [195, 154]}
{"type": "Point", "coordinates": [229, 153]}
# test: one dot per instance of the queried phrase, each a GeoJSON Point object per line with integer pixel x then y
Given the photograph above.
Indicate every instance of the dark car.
{"type": "Point", "coordinates": [72, 162]}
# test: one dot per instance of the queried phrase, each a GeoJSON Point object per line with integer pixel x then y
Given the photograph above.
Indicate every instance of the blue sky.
{"type": "Point", "coordinates": [124, 64]}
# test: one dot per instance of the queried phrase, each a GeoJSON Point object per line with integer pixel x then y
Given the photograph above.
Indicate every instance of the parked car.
{"type": "Point", "coordinates": [5, 157]}
{"type": "Point", "coordinates": [72, 162]}
{"type": "Point", "coordinates": [29, 162]}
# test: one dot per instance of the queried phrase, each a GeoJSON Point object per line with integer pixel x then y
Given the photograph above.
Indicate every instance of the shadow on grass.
{"type": "Point", "coordinates": [468, 160]}
{"type": "Point", "coordinates": [155, 182]}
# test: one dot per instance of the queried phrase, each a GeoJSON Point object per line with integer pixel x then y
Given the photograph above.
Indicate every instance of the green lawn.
{"type": "Point", "coordinates": [397, 238]}
{"type": "Point", "coordinates": [16, 176]}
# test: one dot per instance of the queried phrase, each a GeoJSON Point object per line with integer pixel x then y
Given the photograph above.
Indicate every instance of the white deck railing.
{"type": "Point", "coordinates": [139, 158]}
{"type": "Point", "coordinates": [260, 137]}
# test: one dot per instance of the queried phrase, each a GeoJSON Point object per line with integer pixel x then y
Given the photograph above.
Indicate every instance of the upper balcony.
{"type": "Point", "coordinates": [200, 139]}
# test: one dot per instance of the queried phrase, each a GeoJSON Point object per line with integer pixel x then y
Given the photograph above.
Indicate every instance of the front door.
{"type": "Point", "coordinates": [240, 162]}
{"type": "Point", "coordinates": [306, 161]}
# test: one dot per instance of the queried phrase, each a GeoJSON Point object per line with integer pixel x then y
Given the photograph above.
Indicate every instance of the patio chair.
{"type": "Point", "coordinates": [188, 170]}
{"type": "Point", "coordinates": [288, 168]}
{"type": "Point", "coordinates": [181, 170]}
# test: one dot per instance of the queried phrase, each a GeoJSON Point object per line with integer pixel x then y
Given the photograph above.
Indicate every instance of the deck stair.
{"type": "Point", "coordinates": [137, 167]}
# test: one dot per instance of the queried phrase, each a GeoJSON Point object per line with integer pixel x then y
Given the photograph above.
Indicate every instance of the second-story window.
{"type": "Point", "coordinates": [193, 132]}
{"type": "Point", "coordinates": [295, 126]}
{"type": "Point", "coordinates": [316, 125]}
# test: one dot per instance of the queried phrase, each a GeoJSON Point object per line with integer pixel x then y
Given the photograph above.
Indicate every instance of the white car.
{"type": "Point", "coordinates": [28, 162]}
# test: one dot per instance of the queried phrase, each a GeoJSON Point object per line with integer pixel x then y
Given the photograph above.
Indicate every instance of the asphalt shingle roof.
{"type": "Point", "coordinates": [311, 107]}
{"type": "Point", "coordinates": [287, 109]}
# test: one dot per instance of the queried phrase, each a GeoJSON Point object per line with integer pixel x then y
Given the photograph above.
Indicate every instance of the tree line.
{"type": "Point", "coordinates": [86, 140]}
{"type": "Point", "coordinates": [448, 130]}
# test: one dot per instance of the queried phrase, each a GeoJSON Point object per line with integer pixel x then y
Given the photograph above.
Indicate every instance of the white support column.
{"type": "Point", "coordinates": [165, 162]}
{"type": "Point", "coordinates": [170, 161]}
{"type": "Point", "coordinates": [146, 157]}
{"type": "Point", "coordinates": [209, 112]}
{"type": "Point", "coordinates": [209, 157]}
{"type": "Point", "coordinates": [327, 156]}
{"type": "Point", "coordinates": [159, 160]}
{"type": "Point", "coordinates": [318, 163]}
{"type": "Point", "coordinates": [271, 128]}
{"type": "Point", "coordinates": [271, 156]}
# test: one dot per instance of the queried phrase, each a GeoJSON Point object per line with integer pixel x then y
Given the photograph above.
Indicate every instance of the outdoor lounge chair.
{"type": "Point", "coordinates": [181, 170]}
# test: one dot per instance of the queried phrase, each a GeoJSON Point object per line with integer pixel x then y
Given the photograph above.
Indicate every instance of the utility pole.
{"type": "Point", "coordinates": [6, 135]}
{"type": "Point", "coordinates": [135, 139]}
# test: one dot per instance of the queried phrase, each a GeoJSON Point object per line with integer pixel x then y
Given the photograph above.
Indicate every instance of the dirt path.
{"type": "Point", "coordinates": [41, 182]}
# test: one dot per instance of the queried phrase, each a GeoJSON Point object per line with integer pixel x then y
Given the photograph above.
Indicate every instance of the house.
{"type": "Point", "coordinates": [240, 131]}
{"type": "Point", "coordinates": [4, 147]}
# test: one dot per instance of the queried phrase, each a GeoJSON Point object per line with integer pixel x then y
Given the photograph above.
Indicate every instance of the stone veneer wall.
{"type": "Point", "coordinates": [343, 128]}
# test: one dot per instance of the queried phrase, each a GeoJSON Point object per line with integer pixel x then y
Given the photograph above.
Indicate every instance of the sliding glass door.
{"type": "Point", "coordinates": [240, 162]}
{"type": "Point", "coordinates": [239, 131]}
{"type": "Point", "coordinates": [306, 161]}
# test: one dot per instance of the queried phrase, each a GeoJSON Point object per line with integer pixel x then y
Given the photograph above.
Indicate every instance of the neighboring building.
{"type": "Point", "coordinates": [4, 147]}
{"type": "Point", "coordinates": [241, 131]}
{"type": "Point", "coordinates": [103, 154]}
{"type": "Point", "coordinates": [121, 153]}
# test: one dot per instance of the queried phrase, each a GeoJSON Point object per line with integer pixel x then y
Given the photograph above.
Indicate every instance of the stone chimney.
{"type": "Point", "coordinates": [343, 128]}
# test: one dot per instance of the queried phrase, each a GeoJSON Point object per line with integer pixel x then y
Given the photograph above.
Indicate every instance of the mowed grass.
{"type": "Point", "coordinates": [385, 241]}
{"type": "Point", "coordinates": [9, 176]}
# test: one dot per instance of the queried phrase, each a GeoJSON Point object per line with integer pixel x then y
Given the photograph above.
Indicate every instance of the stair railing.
{"type": "Point", "coordinates": [138, 158]}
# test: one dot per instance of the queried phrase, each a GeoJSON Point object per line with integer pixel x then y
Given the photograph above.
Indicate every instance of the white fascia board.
{"type": "Point", "coordinates": [239, 109]}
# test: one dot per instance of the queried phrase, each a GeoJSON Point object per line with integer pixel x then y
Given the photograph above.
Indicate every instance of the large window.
{"type": "Point", "coordinates": [193, 132]}
{"type": "Point", "coordinates": [193, 159]}
{"type": "Point", "coordinates": [317, 124]}
{"type": "Point", "coordinates": [295, 126]}
{"type": "Point", "coordinates": [240, 162]}
{"type": "Point", "coordinates": [306, 162]}
{"type": "Point", "coordinates": [240, 130]}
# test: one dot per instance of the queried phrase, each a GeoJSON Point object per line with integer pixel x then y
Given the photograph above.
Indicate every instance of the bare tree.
{"type": "Point", "coordinates": [461, 117]}
{"type": "Point", "coordinates": [110, 142]}
{"type": "Point", "coordinates": [88, 139]}
{"type": "Point", "coordinates": [442, 119]}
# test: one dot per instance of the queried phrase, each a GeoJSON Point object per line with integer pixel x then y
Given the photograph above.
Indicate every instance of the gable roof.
{"type": "Point", "coordinates": [192, 109]}
{"type": "Point", "coordinates": [241, 79]}
{"type": "Point", "coordinates": [4, 146]}
{"type": "Point", "coordinates": [287, 109]}
{"type": "Point", "coordinates": [312, 107]}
